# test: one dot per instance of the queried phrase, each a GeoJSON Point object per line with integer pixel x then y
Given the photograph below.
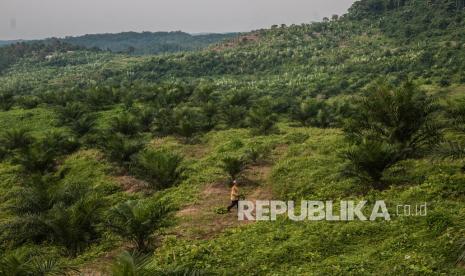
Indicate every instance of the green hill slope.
{"type": "Point", "coordinates": [322, 58]}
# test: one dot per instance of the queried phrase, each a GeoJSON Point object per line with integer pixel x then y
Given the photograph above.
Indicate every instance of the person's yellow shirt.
{"type": "Point", "coordinates": [234, 193]}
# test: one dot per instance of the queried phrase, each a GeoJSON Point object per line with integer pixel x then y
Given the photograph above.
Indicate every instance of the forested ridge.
{"type": "Point", "coordinates": [119, 164]}
{"type": "Point", "coordinates": [148, 42]}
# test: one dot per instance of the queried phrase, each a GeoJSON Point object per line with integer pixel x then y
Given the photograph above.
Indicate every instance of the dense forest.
{"type": "Point", "coordinates": [120, 164]}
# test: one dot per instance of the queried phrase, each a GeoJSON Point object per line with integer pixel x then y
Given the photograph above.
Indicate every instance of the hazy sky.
{"type": "Point", "coordinates": [29, 19]}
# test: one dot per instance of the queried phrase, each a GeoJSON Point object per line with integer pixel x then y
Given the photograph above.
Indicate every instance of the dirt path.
{"type": "Point", "coordinates": [201, 221]}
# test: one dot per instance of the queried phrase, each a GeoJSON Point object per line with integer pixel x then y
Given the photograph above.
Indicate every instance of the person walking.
{"type": "Point", "coordinates": [234, 196]}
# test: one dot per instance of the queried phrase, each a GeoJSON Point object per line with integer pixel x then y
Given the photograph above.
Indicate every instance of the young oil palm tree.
{"type": "Point", "coordinates": [37, 159]}
{"type": "Point", "coordinates": [160, 168]}
{"type": "Point", "coordinates": [136, 264]}
{"type": "Point", "coordinates": [3, 152]}
{"type": "Point", "coordinates": [42, 154]}
{"type": "Point", "coordinates": [7, 100]}
{"type": "Point", "coordinates": [58, 142]}
{"type": "Point", "coordinates": [16, 139]}
{"type": "Point", "coordinates": [126, 124]}
{"type": "Point", "coordinates": [84, 124]}
{"type": "Point", "coordinates": [392, 124]}
{"type": "Point", "coordinates": [77, 226]}
{"type": "Point", "coordinates": [306, 111]}
{"type": "Point", "coordinates": [77, 116]}
{"type": "Point", "coordinates": [257, 153]}
{"type": "Point", "coordinates": [145, 116]}
{"type": "Point", "coordinates": [233, 166]}
{"type": "Point", "coordinates": [16, 263]}
{"type": "Point", "coordinates": [120, 148]}
{"type": "Point", "coordinates": [136, 221]}
{"type": "Point", "coordinates": [403, 116]}
{"type": "Point", "coordinates": [369, 159]}
{"type": "Point", "coordinates": [20, 230]}
{"type": "Point", "coordinates": [131, 264]}
{"type": "Point", "coordinates": [262, 118]}
{"type": "Point", "coordinates": [32, 196]}
{"type": "Point", "coordinates": [71, 112]}
{"type": "Point", "coordinates": [190, 121]}
{"type": "Point", "coordinates": [25, 262]}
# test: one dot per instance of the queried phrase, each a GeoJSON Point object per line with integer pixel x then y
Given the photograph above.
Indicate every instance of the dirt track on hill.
{"type": "Point", "coordinates": [200, 221]}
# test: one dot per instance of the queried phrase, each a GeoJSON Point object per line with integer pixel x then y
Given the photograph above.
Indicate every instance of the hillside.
{"type": "Point", "coordinates": [322, 58]}
{"type": "Point", "coordinates": [117, 164]}
{"type": "Point", "coordinates": [130, 43]}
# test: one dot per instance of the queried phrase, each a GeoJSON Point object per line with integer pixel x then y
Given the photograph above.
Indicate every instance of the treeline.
{"type": "Point", "coordinates": [367, 8]}
{"type": "Point", "coordinates": [12, 53]}
{"type": "Point", "coordinates": [147, 42]}
{"type": "Point", "coordinates": [413, 19]}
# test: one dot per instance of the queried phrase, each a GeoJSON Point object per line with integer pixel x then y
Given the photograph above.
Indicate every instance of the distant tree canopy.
{"type": "Point", "coordinates": [148, 42]}
{"type": "Point", "coordinates": [10, 54]}
{"type": "Point", "coordinates": [367, 8]}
